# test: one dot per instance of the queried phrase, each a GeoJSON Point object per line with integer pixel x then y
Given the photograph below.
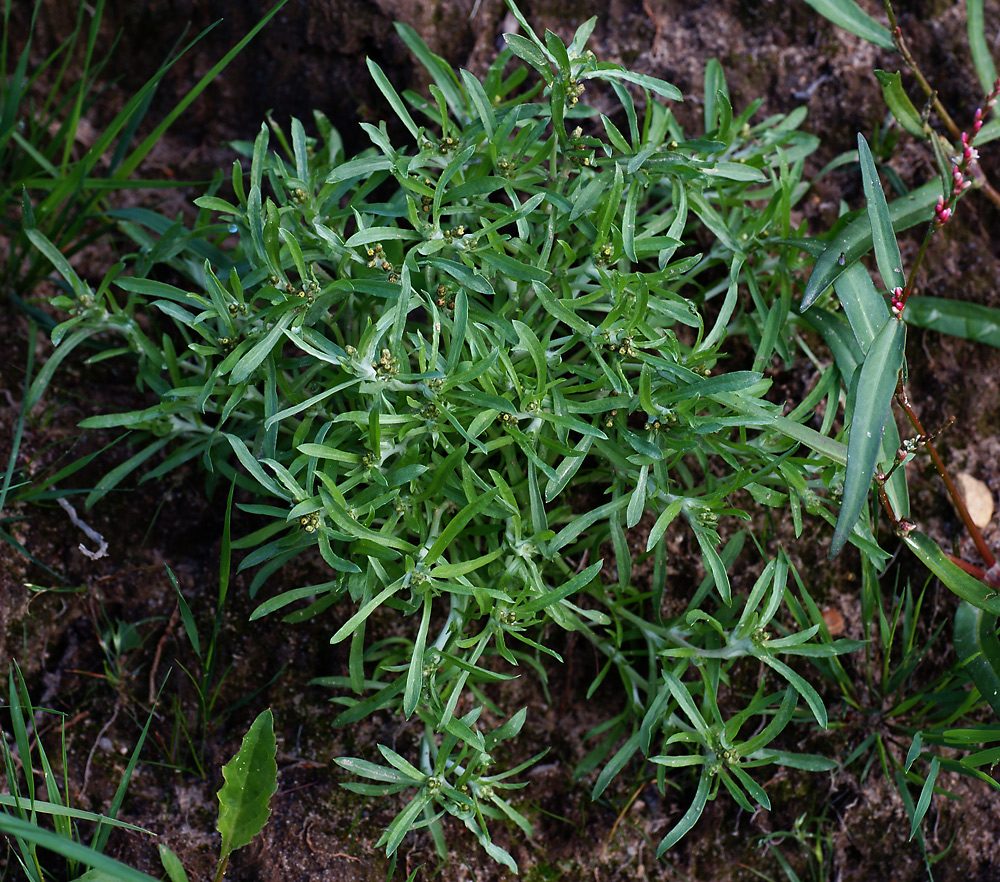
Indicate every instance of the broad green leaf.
{"type": "Point", "coordinates": [872, 407]}
{"type": "Point", "coordinates": [890, 264]}
{"type": "Point", "coordinates": [959, 318]}
{"type": "Point", "coordinates": [976, 639]}
{"type": "Point", "coordinates": [251, 778]}
{"type": "Point", "coordinates": [527, 51]}
{"type": "Point", "coordinates": [848, 15]}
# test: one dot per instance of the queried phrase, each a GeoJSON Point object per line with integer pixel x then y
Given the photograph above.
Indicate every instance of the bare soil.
{"type": "Point", "coordinates": [51, 620]}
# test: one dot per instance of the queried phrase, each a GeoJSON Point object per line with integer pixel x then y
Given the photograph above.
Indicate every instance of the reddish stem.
{"type": "Point", "coordinates": [953, 491]}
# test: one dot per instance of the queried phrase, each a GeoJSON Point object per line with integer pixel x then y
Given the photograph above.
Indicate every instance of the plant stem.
{"type": "Point", "coordinates": [949, 123]}
{"type": "Point", "coordinates": [953, 491]}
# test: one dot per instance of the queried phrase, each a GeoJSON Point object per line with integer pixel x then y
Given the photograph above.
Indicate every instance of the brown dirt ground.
{"type": "Point", "coordinates": [311, 56]}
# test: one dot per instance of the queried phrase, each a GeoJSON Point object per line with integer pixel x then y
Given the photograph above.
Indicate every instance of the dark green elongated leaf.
{"type": "Point", "coordinates": [657, 86]}
{"type": "Point", "coordinates": [890, 264]}
{"type": "Point", "coordinates": [56, 258]}
{"type": "Point", "coordinates": [978, 47]}
{"type": "Point", "coordinates": [251, 777]}
{"type": "Point", "coordinates": [524, 49]}
{"type": "Point", "coordinates": [976, 635]}
{"type": "Point", "coordinates": [810, 695]}
{"type": "Point", "coordinates": [414, 674]}
{"type": "Point", "coordinates": [847, 14]}
{"type": "Point", "coordinates": [578, 582]}
{"type": "Point", "coordinates": [856, 238]}
{"type": "Point", "coordinates": [864, 307]}
{"type": "Point", "coordinates": [441, 72]}
{"type": "Point", "coordinates": [392, 96]}
{"type": "Point", "coordinates": [956, 317]}
{"type": "Point", "coordinates": [456, 525]}
{"type": "Point", "coordinates": [690, 817]}
{"type": "Point", "coordinates": [899, 103]}
{"type": "Point", "coordinates": [260, 350]}
{"type": "Point", "coordinates": [924, 802]}
{"type": "Point", "coordinates": [955, 579]}
{"type": "Point", "coordinates": [872, 403]}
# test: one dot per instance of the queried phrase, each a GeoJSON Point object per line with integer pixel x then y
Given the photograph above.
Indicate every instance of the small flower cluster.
{"type": "Point", "coordinates": [897, 302]}
{"type": "Point", "coordinates": [964, 162]}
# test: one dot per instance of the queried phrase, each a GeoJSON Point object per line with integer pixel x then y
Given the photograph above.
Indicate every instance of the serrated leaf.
{"type": "Point", "coordinates": [872, 404]}
{"type": "Point", "coordinates": [890, 264]}
{"type": "Point", "coordinates": [251, 779]}
{"type": "Point", "coordinates": [976, 639]}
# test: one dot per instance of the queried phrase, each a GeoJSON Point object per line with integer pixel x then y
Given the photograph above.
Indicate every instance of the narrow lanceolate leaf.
{"type": "Point", "coordinates": [847, 14]}
{"type": "Point", "coordinates": [970, 321]}
{"type": "Point", "coordinates": [976, 639]}
{"type": "Point", "coordinates": [872, 403]}
{"type": "Point", "coordinates": [890, 264]}
{"type": "Point", "coordinates": [926, 792]}
{"type": "Point", "coordinates": [251, 779]}
{"type": "Point", "coordinates": [955, 579]}
{"type": "Point", "coordinates": [978, 47]}
{"type": "Point", "coordinates": [855, 240]}
{"type": "Point", "coordinates": [690, 817]}
{"type": "Point", "coordinates": [899, 103]}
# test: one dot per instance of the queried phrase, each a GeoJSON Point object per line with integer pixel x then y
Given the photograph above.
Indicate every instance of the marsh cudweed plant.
{"type": "Point", "coordinates": [472, 368]}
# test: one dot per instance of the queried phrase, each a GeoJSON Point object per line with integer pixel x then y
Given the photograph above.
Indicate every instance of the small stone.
{"type": "Point", "coordinates": [977, 496]}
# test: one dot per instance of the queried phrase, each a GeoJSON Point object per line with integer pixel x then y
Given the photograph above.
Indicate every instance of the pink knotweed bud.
{"type": "Point", "coordinates": [896, 304]}
{"type": "Point", "coordinates": [941, 213]}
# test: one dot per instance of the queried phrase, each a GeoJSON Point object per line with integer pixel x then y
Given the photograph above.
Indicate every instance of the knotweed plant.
{"type": "Point", "coordinates": [868, 345]}
{"type": "Point", "coordinates": [476, 365]}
